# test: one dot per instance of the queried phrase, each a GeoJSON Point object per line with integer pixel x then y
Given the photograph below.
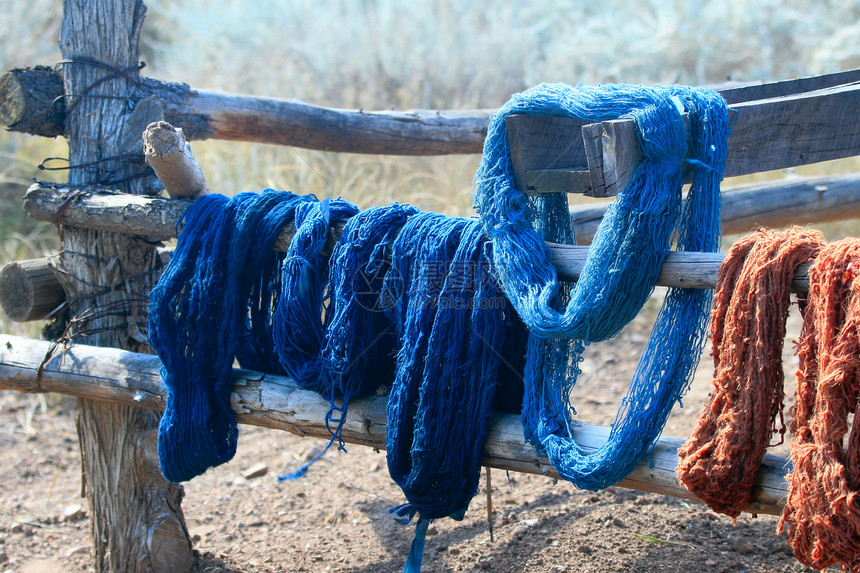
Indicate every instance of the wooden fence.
{"type": "Point", "coordinates": [108, 226]}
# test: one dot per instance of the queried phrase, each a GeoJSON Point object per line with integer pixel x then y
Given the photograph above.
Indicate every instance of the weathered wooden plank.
{"type": "Point", "coordinates": [540, 142]}
{"type": "Point", "coordinates": [799, 201]}
{"type": "Point", "coordinates": [205, 114]}
{"type": "Point", "coordinates": [777, 133]}
{"type": "Point", "coordinates": [277, 402]}
{"type": "Point", "coordinates": [787, 87]}
{"type": "Point", "coordinates": [795, 130]}
{"type": "Point", "coordinates": [610, 166]}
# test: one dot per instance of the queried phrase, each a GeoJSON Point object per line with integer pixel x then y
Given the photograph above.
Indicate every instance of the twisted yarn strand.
{"type": "Point", "coordinates": [720, 460]}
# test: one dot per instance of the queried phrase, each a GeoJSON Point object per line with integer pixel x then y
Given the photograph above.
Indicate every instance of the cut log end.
{"type": "Point", "coordinates": [161, 139]}
{"type": "Point", "coordinates": [31, 101]}
{"type": "Point", "coordinates": [29, 290]}
{"type": "Point", "coordinates": [12, 100]}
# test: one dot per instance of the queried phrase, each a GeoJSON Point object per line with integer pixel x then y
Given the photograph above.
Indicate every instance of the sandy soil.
{"type": "Point", "coordinates": [336, 518]}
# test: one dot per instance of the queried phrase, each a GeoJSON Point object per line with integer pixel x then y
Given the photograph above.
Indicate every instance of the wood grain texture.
{"type": "Point", "coordinates": [783, 88]}
{"type": "Point", "coordinates": [295, 123]}
{"type": "Point", "coordinates": [137, 525]}
{"type": "Point", "coordinates": [788, 131]}
{"type": "Point", "coordinates": [208, 114]}
{"type": "Point", "coordinates": [30, 289]}
{"type": "Point", "coordinates": [31, 101]}
{"type": "Point", "coordinates": [610, 167]}
{"type": "Point", "coordinates": [798, 200]}
{"type": "Point", "coordinates": [170, 156]}
{"type": "Point", "coordinates": [277, 402]}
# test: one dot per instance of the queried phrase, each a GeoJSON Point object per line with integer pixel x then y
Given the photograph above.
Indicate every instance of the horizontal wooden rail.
{"type": "Point", "coordinates": [157, 218]}
{"type": "Point", "coordinates": [207, 114]}
{"type": "Point", "coordinates": [30, 296]}
{"type": "Point", "coordinates": [769, 204]}
{"type": "Point", "coordinates": [773, 204]}
{"type": "Point", "coordinates": [31, 102]}
{"type": "Point", "coordinates": [271, 401]}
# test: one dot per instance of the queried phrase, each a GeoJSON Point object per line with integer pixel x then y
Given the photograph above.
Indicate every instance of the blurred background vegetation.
{"type": "Point", "coordinates": [380, 54]}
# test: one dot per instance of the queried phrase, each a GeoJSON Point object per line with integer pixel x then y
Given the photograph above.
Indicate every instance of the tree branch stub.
{"type": "Point", "coordinates": [169, 155]}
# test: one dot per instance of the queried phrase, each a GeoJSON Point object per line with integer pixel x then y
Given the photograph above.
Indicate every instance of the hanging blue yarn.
{"type": "Point", "coordinates": [202, 315]}
{"type": "Point", "coordinates": [360, 341]}
{"type": "Point", "coordinates": [452, 323]}
{"type": "Point", "coordinates": [302, 307]}
{"type": "Point", "coordinates": [419, 286]}
{"type": "Point", "coordinates": [351, 351]}
{"type": "Point", "coordinates": [621, 270]}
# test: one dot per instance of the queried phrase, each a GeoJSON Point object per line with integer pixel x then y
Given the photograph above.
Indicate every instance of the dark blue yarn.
{"type": "Point", "coordinates": [359, 337]}
{"type": "Point", "coordinates": [447, 365]}
{"type": "Point", "coordinates": [302, 308]}
{"type": "Point", "coordinates": [203, 312]}
{"type": "Point", "coordinates": [408, 299]}
{"type": "Point", "coordinates": [350, 353]}
{"type": "Point", "coordinates": [452, 322]}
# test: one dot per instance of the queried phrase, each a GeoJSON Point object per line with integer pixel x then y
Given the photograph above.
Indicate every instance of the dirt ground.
{"type": "Point", "coordinates": [336, 517]}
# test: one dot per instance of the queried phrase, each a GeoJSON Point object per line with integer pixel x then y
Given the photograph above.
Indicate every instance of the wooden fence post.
{"type": "Point", "coordinates": [137, 522]}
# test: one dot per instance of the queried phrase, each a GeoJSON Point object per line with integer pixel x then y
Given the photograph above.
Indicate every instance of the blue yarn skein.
{"type": "Point", "coordinates": [200, 312]}
{"type": "Point", "coordinates": [360, 341]}
{"type": "Point", "coordinates": [629, 247]}
{"type": "Point", "coordinates": [621, 270]}
{"type": "Point", "coordinates": [302, 308]}
{"type": "Point", "coordinates": [305, 306]}
{"type": "Point", "coordinates": [452, 323]}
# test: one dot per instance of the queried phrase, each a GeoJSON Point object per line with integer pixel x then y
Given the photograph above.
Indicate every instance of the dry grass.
{"type": "Point", "coordinates": [377, 54]}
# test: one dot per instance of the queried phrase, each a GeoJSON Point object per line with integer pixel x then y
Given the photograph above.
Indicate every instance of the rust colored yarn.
{"type": "Point", "coordinates": [822, 511]}
{"type": "Point", "coordinates": [720, 461]}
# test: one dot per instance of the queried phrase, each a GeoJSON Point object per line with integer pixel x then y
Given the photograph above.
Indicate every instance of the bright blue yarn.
{"type": "Point", "coordinates": [622, 268]}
